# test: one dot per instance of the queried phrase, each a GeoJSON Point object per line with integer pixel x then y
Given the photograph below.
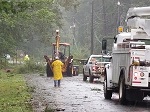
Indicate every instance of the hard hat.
{"type": "Point", "coordinates": [57, 31]}
{"type": "Point", "coordinates": [56, 57]}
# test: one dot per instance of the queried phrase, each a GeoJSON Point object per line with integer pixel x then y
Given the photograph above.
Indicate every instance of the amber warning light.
{"type": "Point", "coordinates": [120, 29]}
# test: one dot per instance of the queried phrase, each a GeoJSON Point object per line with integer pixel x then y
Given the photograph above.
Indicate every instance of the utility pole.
{"type": "Point", "coordinates": [104, 18]}
{"type": "Point", "coordinates": [118, 13]}
{"type": "Point", "coordinates": [74, 27]}
{"type": "Point", "coordinates": [74, 34]}
{"type": "Point", "coordinates": [92, 28]}
{"type": "Point", "coordinates": [104, 27]}
{"type": "Point", "coordinates": [74, 30]}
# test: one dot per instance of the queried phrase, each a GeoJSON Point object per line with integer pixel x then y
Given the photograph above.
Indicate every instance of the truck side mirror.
{"type": "Point", "coordinates": [90, 62]}
{"type": "Point", "coordinates": [104, 44]}
{"type": "Point", "coordinates": [115, 39]}
{"type": "Point", "coordinates": [84, 62]}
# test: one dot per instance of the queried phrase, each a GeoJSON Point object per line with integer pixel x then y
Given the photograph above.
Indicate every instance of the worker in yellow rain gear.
{"type": "Point", "coordinates": [26, 58]}
{"type": "Point", "coordinates": [57, 66]}
{"type": "Point", "coordinates": [27, 61]}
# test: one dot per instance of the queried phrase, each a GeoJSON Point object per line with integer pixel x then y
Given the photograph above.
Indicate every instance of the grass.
{"type": "Point", "coordinates": [14, 95]}
{"type": "Point", "coordinates": [49, 110]}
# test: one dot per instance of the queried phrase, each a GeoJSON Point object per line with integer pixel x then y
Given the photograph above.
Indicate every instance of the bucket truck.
{"type": "Point", "coordinates": [129, 71]}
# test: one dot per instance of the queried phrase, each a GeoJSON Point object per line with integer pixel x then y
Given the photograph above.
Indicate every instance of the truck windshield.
{"type": "Point", "coordinates": [100, 59]}
{"type": "Point", "coordinates": [147, 41]}
{"type": "Point", "coordinates": [105, 59]}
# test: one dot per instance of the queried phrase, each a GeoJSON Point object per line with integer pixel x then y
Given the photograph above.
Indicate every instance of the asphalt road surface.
{"type": "Point", "coordinates": [75, 95]}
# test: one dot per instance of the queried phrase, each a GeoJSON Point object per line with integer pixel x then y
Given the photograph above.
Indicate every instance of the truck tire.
{"type": "Point", "coordinates": [69, 71]}
{"type": "Point", "coordinates": [49, 72]}
{"type": "Point", "coordinates": [91, 77]}
{"type": "Point", "coordinates": [84, 77]}
{"type": "Point", "coordinates": [77, 73]}
{"type": "Point", "coordinates": [122, 90]}
{"type": "Point", "coordinates": [107, 93]}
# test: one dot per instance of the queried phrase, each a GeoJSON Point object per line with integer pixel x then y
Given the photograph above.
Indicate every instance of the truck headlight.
{"type": "Point", "coordinates": [135, 74]}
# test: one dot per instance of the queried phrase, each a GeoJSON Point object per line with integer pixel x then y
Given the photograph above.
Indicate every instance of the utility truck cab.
{"type": "Point", "coordinates": [129, 70]}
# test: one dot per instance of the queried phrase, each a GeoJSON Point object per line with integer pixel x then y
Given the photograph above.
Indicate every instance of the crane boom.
{"type": "Point", "coordinates": [135, 18]}
{"type": "Point", "coordinates": [57, 43]}
{"type": "Point", "coordinates": [138, 12]}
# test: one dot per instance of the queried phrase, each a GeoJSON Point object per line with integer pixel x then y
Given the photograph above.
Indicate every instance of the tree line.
{"type": "Point", "coordinates": [29, 25]}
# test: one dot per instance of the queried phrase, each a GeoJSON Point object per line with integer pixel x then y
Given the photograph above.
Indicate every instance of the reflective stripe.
{"type": "Point", "coordinates": [136, 82]}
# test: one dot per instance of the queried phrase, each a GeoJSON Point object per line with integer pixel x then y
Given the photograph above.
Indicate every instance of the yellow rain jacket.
{"type": "Point", "coordinates": [26, 58]}
{"type": "Point", "coordinates": [57, 69]}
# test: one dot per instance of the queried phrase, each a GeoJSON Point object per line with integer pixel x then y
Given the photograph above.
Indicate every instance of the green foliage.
{"type": "Point", "coordinates": [49, 110]}
{"type": "Point", "coordinates": [80, 52]}
{"type": "Point", "coordinates": [2, 63]}
{"type": "Point", "coordinates": [28, 23]}
{"type": "Point", "coordinates": [13, 95]}
{"type": "Point", "coordinates": [13, 7]}
{"type": "Point", "coordinates": [68, 3]}
{"type": "Point", "coordinates": [31, 89]}
{"type": "Point", "coordinates": [20, 20]}
{"type": "Point", "coordinates": [30, 67]}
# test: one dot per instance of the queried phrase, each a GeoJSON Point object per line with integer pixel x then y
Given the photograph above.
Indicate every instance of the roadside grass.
{"type": "Point", "coordinates": [49, 110]}
{"type": "Point", "coordinates": [14, 94]}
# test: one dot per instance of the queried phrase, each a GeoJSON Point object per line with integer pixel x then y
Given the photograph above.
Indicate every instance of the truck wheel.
{"type": "Point", "coordinates": [122, 91]}
{"type": "Point", "coordinates": [69, 71]}
{"type": "Point", "coordinates": [49, 72]}
{"type": "Point", "coordinates": [84, 77]}
{"type": "Point", "coordinates": [77, 73]}
{"type": "Point", "coordinates": [91, 77]}
{"type": "Point", "coordinates": [107, 93]}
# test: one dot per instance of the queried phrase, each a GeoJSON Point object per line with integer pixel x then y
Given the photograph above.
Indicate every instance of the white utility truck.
{"type": "Point", "coordinates": [129, 70]}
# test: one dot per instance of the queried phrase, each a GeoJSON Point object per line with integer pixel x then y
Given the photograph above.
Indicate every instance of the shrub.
{"type": "Point", "coordinates": [30, 67]}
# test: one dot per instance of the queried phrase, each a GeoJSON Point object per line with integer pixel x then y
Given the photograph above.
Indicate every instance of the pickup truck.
{"type": "Point", "coordinates": [94, 67]}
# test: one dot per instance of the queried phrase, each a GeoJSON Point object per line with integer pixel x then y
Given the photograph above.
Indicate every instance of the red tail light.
{"type": "Point", "coordinates": [94, 68]}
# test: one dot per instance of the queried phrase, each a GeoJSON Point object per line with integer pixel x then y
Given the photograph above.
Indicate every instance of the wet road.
{"type": "Point", "coordinates": [74, 95]}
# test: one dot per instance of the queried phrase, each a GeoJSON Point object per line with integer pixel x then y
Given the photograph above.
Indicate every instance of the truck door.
{"type": "Point", "coordinates": [88, 65]}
